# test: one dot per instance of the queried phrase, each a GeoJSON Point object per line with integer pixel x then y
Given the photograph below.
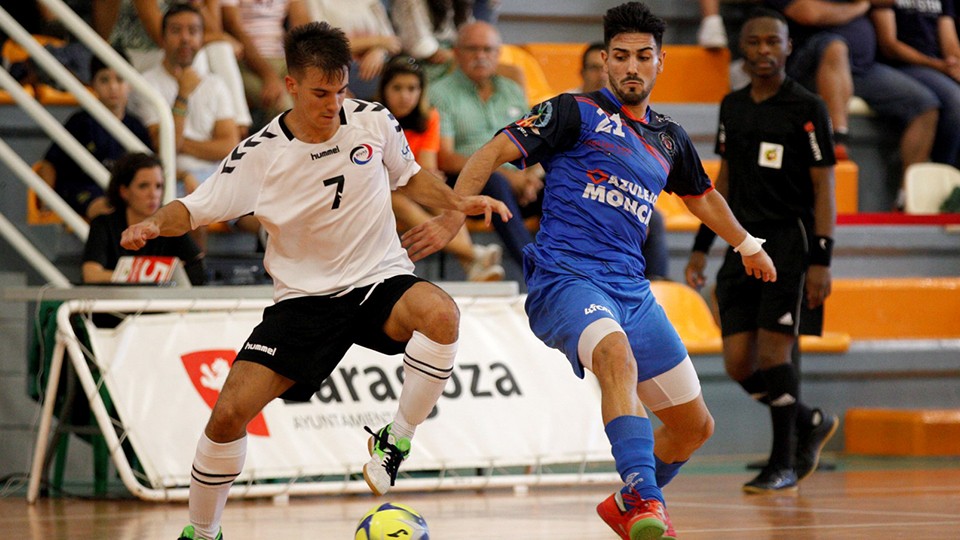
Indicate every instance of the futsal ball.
{"type": "Point", "coordinates": [392, 520]}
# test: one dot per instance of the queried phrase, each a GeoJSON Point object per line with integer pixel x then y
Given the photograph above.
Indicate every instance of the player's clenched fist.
{"type": "Point", "coordinates": [136, 236]}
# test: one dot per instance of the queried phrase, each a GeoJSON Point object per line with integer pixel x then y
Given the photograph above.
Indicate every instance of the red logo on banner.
{"type": "Point", "coordinates": [208, 370]}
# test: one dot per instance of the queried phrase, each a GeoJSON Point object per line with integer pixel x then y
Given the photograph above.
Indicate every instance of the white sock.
{"type": "Point", "coordinates": [426, 367]}
{"type": "Point", "coordinates": [215, 467]}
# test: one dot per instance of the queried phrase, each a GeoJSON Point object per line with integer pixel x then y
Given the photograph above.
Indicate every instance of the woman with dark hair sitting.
{"type": "Point", "coordinates": [135, 192]}
{"type": "Point", "coordinates": [403, 91]}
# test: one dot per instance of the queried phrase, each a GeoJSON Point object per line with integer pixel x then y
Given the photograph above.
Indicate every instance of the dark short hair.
{"type": "Point", "coordinates": [96, 64]}
{"type": "Point", "coordinates": [595, 46]}
{"type": "Point", "coordinates": [632, 18]}
{"type": "Point", "coordinates": [761, 12]}
{"type": "Point", "coordinates": [407, 65]}
{"type": "Point", "coordinates": [317, 45]}
{"type": "Point", "coordinates": [177, 8]}
{"type": "Point", "coordinates": [124, 169]}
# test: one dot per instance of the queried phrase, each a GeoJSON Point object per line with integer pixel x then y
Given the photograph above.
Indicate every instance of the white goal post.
{"type": "Point", "coordinates": [513, 413]}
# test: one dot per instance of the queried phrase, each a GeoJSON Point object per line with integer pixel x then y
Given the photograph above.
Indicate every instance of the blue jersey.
{"type": "Point", "coordinates": [605, 169]}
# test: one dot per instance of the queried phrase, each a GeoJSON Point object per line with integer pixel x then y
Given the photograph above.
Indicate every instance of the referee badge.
{"type": "Point", "coordinates": [771, 155]}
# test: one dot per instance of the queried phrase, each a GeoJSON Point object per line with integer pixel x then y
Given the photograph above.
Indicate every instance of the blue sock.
{"type": "Point", "coordinates": [631, 438]}
{"type": "Point", "coordinates": [667, 471]}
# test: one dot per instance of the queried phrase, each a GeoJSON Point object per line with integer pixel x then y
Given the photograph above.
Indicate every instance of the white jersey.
{"type": "Point", "coordinates": [325, 206]}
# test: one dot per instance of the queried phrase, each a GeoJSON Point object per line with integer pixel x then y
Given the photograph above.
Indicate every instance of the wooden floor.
{"type": "Point", "coordinates": [862, 499]}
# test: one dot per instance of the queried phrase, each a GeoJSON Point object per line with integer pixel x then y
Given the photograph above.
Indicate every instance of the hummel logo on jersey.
{"type": "Point", "coordinates": [786, 319]}
{"type": "Point", "coordinates": [262, 348]}
{"type": "Point", "coordinates": [594, 308]}
{"type": "Point", "coordinates": [325, 153]}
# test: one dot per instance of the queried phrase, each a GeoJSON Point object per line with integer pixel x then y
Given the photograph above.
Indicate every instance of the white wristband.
{"type": "Point", "coordinates": [750, 245]}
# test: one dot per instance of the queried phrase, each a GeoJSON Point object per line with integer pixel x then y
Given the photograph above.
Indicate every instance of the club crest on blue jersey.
{"type": "Point", "coordinates": [361, 155]}
{"type": "Point", "coordinates": [667, 141]}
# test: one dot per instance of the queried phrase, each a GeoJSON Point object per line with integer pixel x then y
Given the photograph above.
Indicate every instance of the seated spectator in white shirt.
{"type": "Point", "coordinates": [204, 127]}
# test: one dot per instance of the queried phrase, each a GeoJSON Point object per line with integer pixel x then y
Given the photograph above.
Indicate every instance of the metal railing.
{"type": "Point", "coordinates": [64, 139]}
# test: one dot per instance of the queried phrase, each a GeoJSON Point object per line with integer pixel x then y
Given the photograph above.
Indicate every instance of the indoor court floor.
{"type": "Point", "coordinates": [862, 499]}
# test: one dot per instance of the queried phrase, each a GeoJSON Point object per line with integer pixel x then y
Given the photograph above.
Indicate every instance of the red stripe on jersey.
{"type": "Point", "coordinates": [519, 146]}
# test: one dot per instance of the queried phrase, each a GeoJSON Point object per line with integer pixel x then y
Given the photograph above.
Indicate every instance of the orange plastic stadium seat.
{"type": "Point", "coordinates": [7, 99]}
{"type": "Point", "coordinates": [535, 85]}
{"type": "Point", "coordinates": [676, 217]}
{"type": "Point", "coordinates": [690, 315]}
{"type": "Point", "coordinates": [560, 63]}
{"type": "Point", "coordinates": [893, 432]}
{"type": "Point", "coordinates": [37, 214]}
{"type": "Point", "coordinates": [894, 308]}
{"type": "Point", "coordinates": [847, 175]}
{"type": "Point", "coordinates": [692, 74]}
{"type": "Point", "coordinates": [49, 95]}
{"type": "Point", "coordinates": [13, 52]}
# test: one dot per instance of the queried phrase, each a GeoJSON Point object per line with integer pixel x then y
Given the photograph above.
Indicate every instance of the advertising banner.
{"type": "Point", "coordinates": [511, 400]}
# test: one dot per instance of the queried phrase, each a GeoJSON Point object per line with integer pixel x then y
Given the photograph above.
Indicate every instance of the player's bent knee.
{"type": "Point", "coordinates": [612, 361]}
{"type": "Point", "coordinates": [227, 423]}
{"type": "Point", "coordinates": [601, 339]}
{"type": "Point", "coordinates": [705, 431]}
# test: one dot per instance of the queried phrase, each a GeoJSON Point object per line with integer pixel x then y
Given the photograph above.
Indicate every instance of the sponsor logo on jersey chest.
{"type": "Point", "coordinates": [361, 154]}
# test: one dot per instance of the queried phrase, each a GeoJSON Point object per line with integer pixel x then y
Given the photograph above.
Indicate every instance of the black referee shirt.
{"type": "Point", "coordinates": [770, 147]}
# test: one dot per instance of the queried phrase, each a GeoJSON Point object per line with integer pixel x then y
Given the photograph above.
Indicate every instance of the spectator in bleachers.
{"type": "Point", "coordinates": [776, 171]}
{"type": "Point", "coordinates": [474, 102]}
{"type": "Point", "coordinates": [372, 39]}
{"type": "Point", "coordinates": [135, 193]}
{"type": "Point", "coordinates": [204, 127]}
{"type": "Point", "coordinates": [711, 33]}
{"type": "Point", "coordinates": [428, 30]}
{"type": "Point", "coordinates": [136, 27]}
{"type": "Point", "coordinates": [834, 54]}
{"type": "Point", "coordinates": [593, 74]}
{"type": "Point", "coordinates": [403, 92]}
{"type": "Point", "coordinates": [259, 27]}
{"type": "Point", "coordinates": [920, 39]}
{"type": "Point", "coordinates": [59, 170]}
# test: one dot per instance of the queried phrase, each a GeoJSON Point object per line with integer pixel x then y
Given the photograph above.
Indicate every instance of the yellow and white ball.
{"type": "Point", "coordinates": [392, 520]}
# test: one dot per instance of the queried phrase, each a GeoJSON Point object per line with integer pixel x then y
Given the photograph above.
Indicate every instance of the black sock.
{"type": "Point", "coordinates": [782, 384]}
{"type": "Point", "coordinates": [756, 386]}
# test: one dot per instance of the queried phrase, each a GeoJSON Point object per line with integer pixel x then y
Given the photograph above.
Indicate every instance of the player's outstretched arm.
{"type": "Point", "coordinates": [171, 220]}
{"type": "Point", "coordinates": [713, 211]}
{"type": "Point", "coordinates": [430, 236]}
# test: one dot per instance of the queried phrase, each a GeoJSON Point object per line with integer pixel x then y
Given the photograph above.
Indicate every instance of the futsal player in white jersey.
{"type": "Point", "coordinates": [318, 178]}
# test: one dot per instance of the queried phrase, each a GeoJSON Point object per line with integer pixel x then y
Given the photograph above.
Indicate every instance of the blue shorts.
{"type": "Point", "coordinates": [560, 306]}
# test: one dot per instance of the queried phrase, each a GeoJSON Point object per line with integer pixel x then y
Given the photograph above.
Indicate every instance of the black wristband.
{"type": "Point", "coordinates": [821, 250]}
{"type": "Point", "coordinates": [704, 239]}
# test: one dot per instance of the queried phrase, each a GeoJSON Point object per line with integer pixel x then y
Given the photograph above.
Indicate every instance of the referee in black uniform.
{"type": "Point", "coordinates": [777, 175]}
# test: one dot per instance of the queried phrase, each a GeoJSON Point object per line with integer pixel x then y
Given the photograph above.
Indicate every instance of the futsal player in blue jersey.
{"type": "Point", "coordinates": [607, 157]}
